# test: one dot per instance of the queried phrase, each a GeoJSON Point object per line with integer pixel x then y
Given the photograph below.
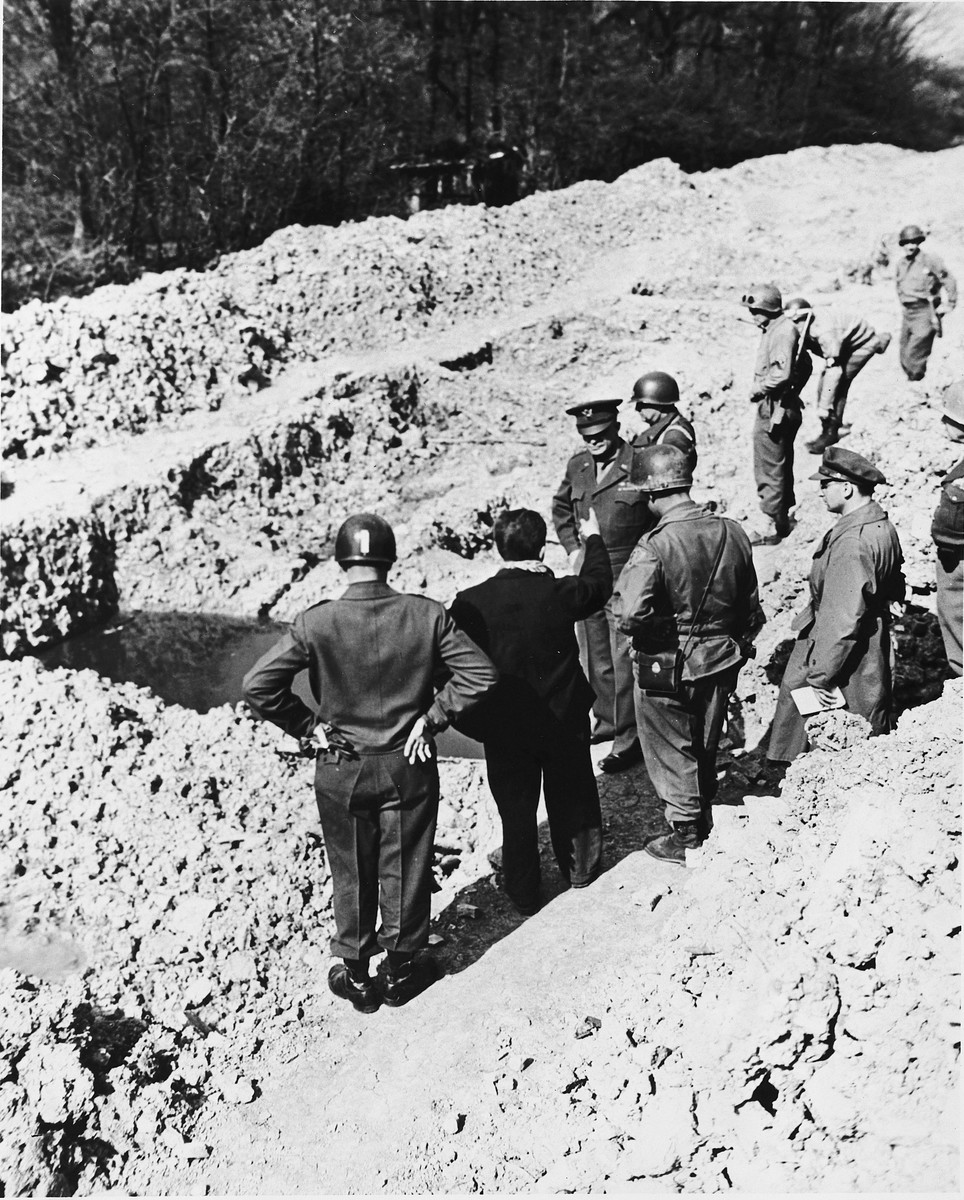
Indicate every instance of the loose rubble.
{"type": "Point", "coordinates": [807, 963]}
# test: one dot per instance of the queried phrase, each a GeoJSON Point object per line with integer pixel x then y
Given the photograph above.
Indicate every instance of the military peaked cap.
{"type": "Point", "coordinates": [839, 463]}
{"type": "Point", "coordinates": [594, 415]}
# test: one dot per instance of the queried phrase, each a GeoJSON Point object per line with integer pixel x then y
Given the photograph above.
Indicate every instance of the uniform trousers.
{"type": "Point", "coordinates": [833, 403]}
{"type": "Point", "coordinates": [378, 818]}
{"type": "Point", "coordinates": [950, 605]}
{"type": "Point", "coordinates": [773, 463]}
{"type": "Point", "coordinates": [556, 761]}
{"type": "Point", "coordinates": [680, 736]}
{"type": "Point", "coordinates": [610, 671]}
{"type": "Point", "coordinates": [917, 333]}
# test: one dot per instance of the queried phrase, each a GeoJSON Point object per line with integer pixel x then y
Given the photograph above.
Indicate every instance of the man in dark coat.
{"type": "Point", "coordinates": [689, 586]}
{"type": "Point", "coordinates": [947, 530]}
{"type": "Point", "coordinates": [782, 368]}
{"type": "Point", "coordinates": [535, 724]}
{"type": "Point", "coordinates": [843, 635]}
{"type": "Point", "coordinates": [594, 477]}
{"type": "Point", "coordinates": [372, 656]}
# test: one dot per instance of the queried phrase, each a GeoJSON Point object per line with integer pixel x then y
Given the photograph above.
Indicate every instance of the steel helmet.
{"type": "Point", "coordinates": [365, 539]}
{"type": "Point", "coordinates": [660, 469]}
{"type": "Point", "coordinates": [766, 298]}
{"type": "Point", "coordinates": [911, 233]}
{"type": "Point", "coordinates": [656, 389]}
{"type": "Point", "coordinates": [797, 304]}
{"type": "Point", "coordinates": [952, 402]}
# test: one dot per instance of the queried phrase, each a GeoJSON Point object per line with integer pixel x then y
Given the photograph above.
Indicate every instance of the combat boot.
{"type": "Point", "coordinates": [672, 847]}
{"type": "Point", "coordinates": [827, 437]}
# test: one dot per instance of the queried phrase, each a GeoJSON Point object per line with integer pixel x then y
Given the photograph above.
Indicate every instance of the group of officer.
{"type": "Point", "coordinates": [662, 607]}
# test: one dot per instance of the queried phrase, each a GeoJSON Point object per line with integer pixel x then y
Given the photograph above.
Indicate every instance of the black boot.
{"type": "Point", "coordinates": [361, 993]}
{"type": "Point", "coordinates": [672, 847]}
{"type": "Point", "coordinates": [406, 980]}
{"type": "Point", "coordinates": [829, 435]}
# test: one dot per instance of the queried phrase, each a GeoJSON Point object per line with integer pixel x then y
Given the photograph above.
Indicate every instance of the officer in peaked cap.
{"type": "Point", "coordinates": [656, 399]}
{"type": "Point", "coordinates": [843, 634]}
{"type": "Point", "coordinates": [597, 477]}
{"type": "Point", "coordinates": [372, 657]}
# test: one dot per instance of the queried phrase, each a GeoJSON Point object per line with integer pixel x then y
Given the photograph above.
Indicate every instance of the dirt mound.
{"type": "Point", "coordinates": [174, 859]}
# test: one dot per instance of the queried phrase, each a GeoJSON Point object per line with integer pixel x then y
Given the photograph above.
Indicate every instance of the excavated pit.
{"type": "Point", "coordinates": [777, 1018]}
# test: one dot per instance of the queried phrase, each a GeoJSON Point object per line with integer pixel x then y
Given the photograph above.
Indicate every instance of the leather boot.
{"type": "Point", "coordinates": [827, 437]}
{"type": "Point", "coordinates": [672, 847]}
{"type": "Point", "coordinates": [361, 993]}
{"type": "Point", "coordinates": [408, 980]}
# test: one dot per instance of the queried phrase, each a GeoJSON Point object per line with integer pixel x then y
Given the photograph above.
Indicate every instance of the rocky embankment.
{"type": "Point", "coordinates": [166, 891]}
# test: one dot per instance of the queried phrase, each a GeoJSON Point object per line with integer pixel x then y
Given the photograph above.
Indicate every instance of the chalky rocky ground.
{"type": "Point", "coordinates": [780, 1017]}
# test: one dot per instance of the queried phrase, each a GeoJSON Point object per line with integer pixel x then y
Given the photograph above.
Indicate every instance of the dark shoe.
{"type": "Point", "coordinates": [621, 760]}
{"type": "Point", "coordinates": [363, 995]}
{"type": "Point", "coordinates": [672, 847]}
{"type": "Point", "coordinates": [769, 534]}
{"type": "Point", "coordinates": [406, 982]}
{"type": "Point", "coordinates": [829, 437]}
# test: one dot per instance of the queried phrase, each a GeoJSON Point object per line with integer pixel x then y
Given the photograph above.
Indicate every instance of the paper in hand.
{"type": "Point", "coordinates": [808, 702]}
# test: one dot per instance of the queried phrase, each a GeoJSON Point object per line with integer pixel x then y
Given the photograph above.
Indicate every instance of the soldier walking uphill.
{"type": "Point", "coordinates": [535, 724]}
{"type": "Point", "coordinates": [655, 397]}
{"type": "Point", "coordinates": [947, 530]}
{"type": "Point", "coordinates": [843, 635]}
{"type": "Point", "coordinates": [782, 369]}
{"type": "Point", "coordinates": [688, 597]}
{"type": "Point", "coordinates": [593, 479]}
{"type": "Point", "coordinates": [372, 656]}
{"type": "Point", "coordinates": [846, 343]}
{"type": "Point", "coordinates": [921, 277]}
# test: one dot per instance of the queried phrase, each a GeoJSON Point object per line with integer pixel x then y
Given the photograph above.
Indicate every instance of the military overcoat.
{"type": "Point", "coordinates": [843, 634]}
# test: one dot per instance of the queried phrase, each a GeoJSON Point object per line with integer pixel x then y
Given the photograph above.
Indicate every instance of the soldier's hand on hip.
{"type": "Point", "coordinates": [420, 745]}
{"type": "Point", "coordinates": [587, 527]}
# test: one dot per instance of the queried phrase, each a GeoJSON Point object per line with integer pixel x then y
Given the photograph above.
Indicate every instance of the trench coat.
{"type": "Point", "coordinates": [843, 634]}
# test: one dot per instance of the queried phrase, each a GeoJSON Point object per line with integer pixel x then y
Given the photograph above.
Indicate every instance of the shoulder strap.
{"type": "Point", "coordinates": [694, 629]}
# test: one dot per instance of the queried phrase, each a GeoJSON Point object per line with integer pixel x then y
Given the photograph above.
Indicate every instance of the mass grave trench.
{"type": "Point", "coordinates": [194, 660]}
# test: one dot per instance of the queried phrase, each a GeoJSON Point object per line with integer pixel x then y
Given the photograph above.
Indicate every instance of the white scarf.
{"type": "Point", "coordinates": [527, 564]}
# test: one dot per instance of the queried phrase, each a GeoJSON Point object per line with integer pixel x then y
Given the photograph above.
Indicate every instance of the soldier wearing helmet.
{"type": "Point", "coordinates": [846, 343]}
{"type": "Point", "coordinates": [372, 657]}
{"type": "Point", "coordinates": [921, 278]}
{"type": "Point", "coordinates": [687, 597]}
{"type": "Point", "coordinates": [655, 398]}
{"type": "Point", "coordinates": [947, 530]}
{"type": "Point", "coordinates": [594, 479]}
{"type": "Point", "coordinates": [782, 369]}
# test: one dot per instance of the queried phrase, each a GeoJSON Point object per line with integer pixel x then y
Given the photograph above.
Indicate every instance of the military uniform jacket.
{"type": "Point", "coordinates": [673, 429]}
{"type": "Point", "coordinates": [947, 528]}
{"type": "Point", "coordinates": [372, 657]}
{"type": "Point", "coordinates": [660, 588]}
{"type": "Point", "coordinates": [523, 620]}
{"type": "Point", "coordinates": [836, 335]}
{"type": "Point", "coordinates": [780, 372]}
{"type": "Point", "coordinates": [921, 281]}
{"type": "Point", "coordinates": [622, 511]}
{"type": "Point", "coordinates": [855, 576]}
